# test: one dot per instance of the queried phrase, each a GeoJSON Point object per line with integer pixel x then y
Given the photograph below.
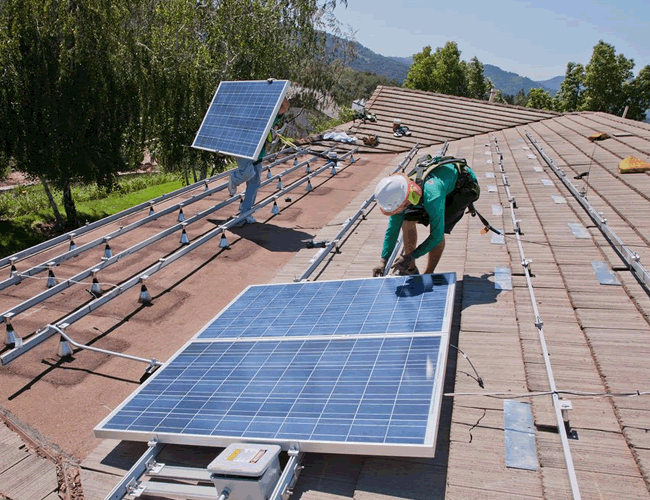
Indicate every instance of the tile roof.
{"type": "Point", "coordinates": [598, 336]}
{"type": "Point", "coordinates": [434, 118]}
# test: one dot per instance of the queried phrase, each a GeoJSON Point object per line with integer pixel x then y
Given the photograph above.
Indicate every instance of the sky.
{"type": "Point", "coordinates": [536, 40]}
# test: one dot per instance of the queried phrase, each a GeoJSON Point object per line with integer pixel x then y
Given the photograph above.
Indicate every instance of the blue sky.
{"type": "Point", "coordinates": [532, 39]}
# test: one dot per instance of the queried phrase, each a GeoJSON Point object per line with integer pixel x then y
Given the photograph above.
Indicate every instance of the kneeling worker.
{"type": "Point", "coordinates": [437, 197]}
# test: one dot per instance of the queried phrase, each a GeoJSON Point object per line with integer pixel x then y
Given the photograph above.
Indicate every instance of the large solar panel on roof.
{"type": "Point", "coordinates": [358, 393]}
{"type": "Point", "coordinates": [240, 117]}
{"type": "Point", "coordinates": [367, 306]}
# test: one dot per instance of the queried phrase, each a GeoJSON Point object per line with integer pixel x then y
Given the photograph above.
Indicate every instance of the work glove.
{"type": "Point", "coordinates": [405, 265]}
{"type": "Point", "coordinates": [378, 271]}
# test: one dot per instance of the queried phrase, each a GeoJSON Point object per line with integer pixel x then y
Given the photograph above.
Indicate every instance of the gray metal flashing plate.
{"type": "Point", "coordinates": [240, 116]}
{"type": "Point", "coordinates": [498, 239]}
{"type": "Point", "coordinates": [604, 274]}
{"type": "Point", "coordinates": [519, 435]}
{"type": "Point", "coordinates": [559, 199]}
{"type": "Point", "coordinates": [327, 391]}
{"type": "Point", "coordinates": [502, 278]}
{"type": "Point", "coordinates": [538, 169]}
{"type": "Point", "coordinates": [491, 188]}
{"type": "Point", "coordinates": [547, 182]}
{"type": "Point", "coordinates": [579, 231]}
{"type": "Point", "coordinates": [489, 175]}
{"type": "Point", "coordinates": [497, 210]}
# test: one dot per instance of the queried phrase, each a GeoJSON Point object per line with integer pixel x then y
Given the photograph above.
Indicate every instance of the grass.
{"type": "Point", "coordinates": [26, 217]}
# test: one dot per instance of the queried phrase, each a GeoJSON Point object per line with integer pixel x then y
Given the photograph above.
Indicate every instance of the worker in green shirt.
{"type": "Point", "coordinates": [437, 200]}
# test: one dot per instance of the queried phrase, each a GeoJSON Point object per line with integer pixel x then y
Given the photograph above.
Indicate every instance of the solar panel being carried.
{"type": "Point", "coordinates": [364, 392]}
{"type": "Point", "coordinates": [240, 117]}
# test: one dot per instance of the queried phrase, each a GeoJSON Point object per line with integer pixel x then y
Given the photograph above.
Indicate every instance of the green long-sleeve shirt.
{"type": "Point", "coordinates": [439, 184]}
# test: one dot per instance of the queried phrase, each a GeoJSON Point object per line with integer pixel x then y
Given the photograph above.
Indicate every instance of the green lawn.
{"type": "Point", "coordinates": [26, 218]}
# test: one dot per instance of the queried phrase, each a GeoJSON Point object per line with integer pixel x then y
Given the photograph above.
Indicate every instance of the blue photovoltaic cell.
{"type": "Point", "coordinates": [240, 117]}
{"type": "Point", "coordinates": [363, 390]}
{"type": "Point", "coordinates": [408, 304]}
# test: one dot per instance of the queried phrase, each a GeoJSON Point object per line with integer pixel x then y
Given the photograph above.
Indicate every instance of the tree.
{"type": "Point", "coordinates": [605, 79]}
{"type": "Point", "coordinates": [68, 101]}
{"type": "Point", "coordinates": [540, 99]}
{"type": "Point", "coordinates": [87, 85]}
{"type": "Point", "coordinates": [637, 93]}
{"type": "Point", "coordinates": [477, 85]}
{"type": "Point", "coordinates": [421, 73]}
{"type": "Point", "coordinates": [441, 71]}
{"type": "Point", "coordinates": [449, 73]}
{"type": "Point", "coordinates": [570, 95]}
{"type": "Point", "coordinates": [521, 98]}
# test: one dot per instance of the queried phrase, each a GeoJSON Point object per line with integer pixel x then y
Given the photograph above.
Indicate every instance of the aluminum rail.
{"type": "Point", "coordinates": [153, 362]}
{"type": "Point", "coordinates": [46, 333]}
{"type": "Point", "coordinates": [106, 262]}
{"type": "Point", "coordinates": [18, 277]}
{"type": "Point", "coordinates": [573, 480]}
{"type": "Point", "coordinates": [629, 257]}
{"type": "Point", "coordinates": [350, 222]}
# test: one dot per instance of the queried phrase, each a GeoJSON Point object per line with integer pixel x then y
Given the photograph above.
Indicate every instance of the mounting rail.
{"type": "Point", "coordinates": [630, 258]}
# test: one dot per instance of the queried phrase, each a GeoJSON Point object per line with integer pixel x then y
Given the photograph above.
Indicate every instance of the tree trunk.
{"type": "Point", "coordinates": [55, 208]}
{"type": "Point", "coordinates": [68, 204]}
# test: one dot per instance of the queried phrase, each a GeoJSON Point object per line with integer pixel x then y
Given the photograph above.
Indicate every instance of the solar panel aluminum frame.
{"type": "Point", "coordinates": [426, 449]}
{"type": "Point", "coordinates": [267, 129]}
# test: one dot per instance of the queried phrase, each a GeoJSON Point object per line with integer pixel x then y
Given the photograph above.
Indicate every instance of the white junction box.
{"type": "Point", "coordinates": [250, 471]}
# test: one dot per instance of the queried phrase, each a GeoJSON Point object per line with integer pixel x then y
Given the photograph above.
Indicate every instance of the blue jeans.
{"type": "Point", "coordinates": [251, 174]}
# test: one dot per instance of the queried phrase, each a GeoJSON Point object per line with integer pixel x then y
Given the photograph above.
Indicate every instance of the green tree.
{"type": "Point", "coordinates": [67, 101]}
{"type": "Point", "coordinates": [540, 99]}
{"type": "Point", "coordinates": [478, 86]}
{"type": "Point", "coordinates": [520, 99]}
{"type": "Point", "coordinates": [570, 95]}
{"type": "Point", "coordinates": [441, 71]}
{"type": "Point", "coordinates": [638, 95]}
{"type": "Point", "coordinates": [449, 73]}
{"type": "Point", "coordinates": [421, 73]}
{"type": "Point", "coordinates": [605, 78]}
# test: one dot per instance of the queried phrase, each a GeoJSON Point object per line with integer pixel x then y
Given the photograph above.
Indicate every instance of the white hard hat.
{"type": "Point", "coordinates": [394, 191]}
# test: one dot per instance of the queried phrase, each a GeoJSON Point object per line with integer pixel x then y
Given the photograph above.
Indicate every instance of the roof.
{"type": "Point", "coordinates": [596, 335]}
{"type": "Point", "coordinates": [434, 118]}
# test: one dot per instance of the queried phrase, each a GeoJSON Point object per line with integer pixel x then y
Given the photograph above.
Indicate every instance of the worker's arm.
{"type": "Point", "coordinates": [392, 233]}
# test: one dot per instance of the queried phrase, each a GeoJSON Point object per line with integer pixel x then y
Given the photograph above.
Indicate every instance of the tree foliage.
{"type": "Point", "coordinates": [570, 95]}
{"type": "Point", "coordinates": [66, 107]}
{"type": "Point", "coordinates": [606, 76]}
{"type": "Point", "coordinates": [443, 71]}
{"type": "Point", "coordinates": [540, 99]}
{"type": "Point", "coordinates": [87, 85]}
{"type": "Point", "coordinates": [478, 86]}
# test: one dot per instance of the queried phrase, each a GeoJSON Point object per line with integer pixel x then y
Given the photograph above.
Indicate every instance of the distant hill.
{"type": "Point", "coordinates": [511, 83]}
{"type": "Point", "coordinates": [396, 68]}
{"type": "Point", "coordinates": [372, 62]}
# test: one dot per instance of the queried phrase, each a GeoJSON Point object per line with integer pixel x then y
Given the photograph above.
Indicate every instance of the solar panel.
{"type": "Point", "coordinates": [356, 393]}
{"type": "Point", "coordinates": [367, 306]}
{"type": "Point", "coordinates": [240, 117]}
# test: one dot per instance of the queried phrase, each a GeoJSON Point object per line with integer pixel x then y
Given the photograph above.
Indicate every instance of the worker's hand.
{"type": "Point", "coordinates": [378, 271]}
{"type": "Point", "coordinates": [405, 265]}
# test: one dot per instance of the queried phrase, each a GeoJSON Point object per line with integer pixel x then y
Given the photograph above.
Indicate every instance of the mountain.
{"type": "Point", "coordinates": [511, 83]}
{"type": "Point", "coordinates": [367, 60]}
{"type": "Point", "coordinates": [396, 68]}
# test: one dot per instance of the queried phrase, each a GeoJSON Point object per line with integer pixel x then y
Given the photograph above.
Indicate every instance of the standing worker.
{"type": "Point", "coordinates": [250, 171]}
{"type": "Point", "coordinates": [436, 195]}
